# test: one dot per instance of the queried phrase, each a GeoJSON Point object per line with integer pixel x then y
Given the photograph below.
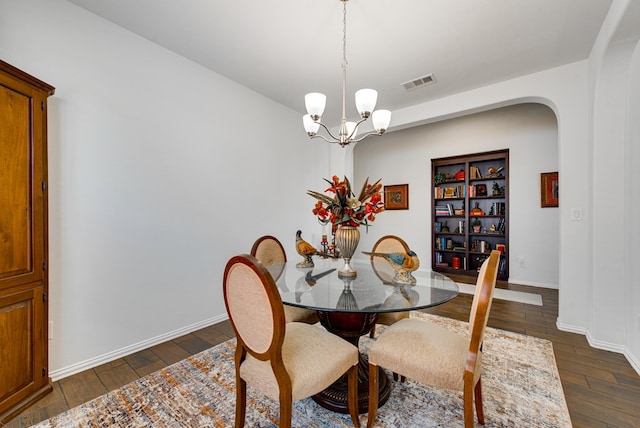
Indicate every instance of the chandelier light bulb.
{"type": "Point", "coordinates": [381, 120]}
{"type": "Point", "coordinates": [366, 101]}
{"type": "Point", "coordinates": [310, 125]}
{"type": "Point", "coordinates": [315, 103]}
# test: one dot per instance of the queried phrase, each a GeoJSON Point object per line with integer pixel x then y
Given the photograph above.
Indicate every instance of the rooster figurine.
{"type": "Point", "coordinates": [402, 263]}
{"type": "Point", "coordinates": [306, 250]}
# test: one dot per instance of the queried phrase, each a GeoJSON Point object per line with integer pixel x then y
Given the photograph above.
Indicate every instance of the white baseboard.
{"type": "Point", "coordinates": [607, 346]}
{"type": "Point", "coordinates": [635, 362]}
{"type": "Point", "coordinates": [127, 350]}
{"type": "Point", "coordinates": [531, 283]}
{"type": "Point", "coordinates": [571, 328]}
{"type": "Point", "coordinates": [599, 344]}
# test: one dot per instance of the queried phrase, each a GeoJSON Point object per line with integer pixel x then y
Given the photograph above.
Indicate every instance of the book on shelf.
{"type": "Point", "coordinates": [442, 210]}
{"type": "Point", "coordinates": [450, 192]}
{"type": "Point", "coordinates": [474, 173]}
{"type": "Point", "coordinates": [498, 208]}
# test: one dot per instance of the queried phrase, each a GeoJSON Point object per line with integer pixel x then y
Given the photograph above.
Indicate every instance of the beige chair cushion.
{"type": "Point", "coordinates": [304, 346]}
{"type": "Point", "coordinates": [388, 318]}
{"type": "Point", "coordinates": [425, 352]}
{"type": "Point", "coordinates": [295, 314]}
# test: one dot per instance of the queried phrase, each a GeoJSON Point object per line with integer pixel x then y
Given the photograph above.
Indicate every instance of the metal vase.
{"type": "Point", "coordinates": [347, 238]}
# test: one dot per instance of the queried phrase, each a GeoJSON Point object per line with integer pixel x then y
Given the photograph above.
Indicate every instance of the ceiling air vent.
{"type": "Point", "coordinates": [419, 82]}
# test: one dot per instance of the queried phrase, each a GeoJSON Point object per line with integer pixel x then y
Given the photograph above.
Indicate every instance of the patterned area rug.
{"type": "Point", "coordinates": [521, 388]}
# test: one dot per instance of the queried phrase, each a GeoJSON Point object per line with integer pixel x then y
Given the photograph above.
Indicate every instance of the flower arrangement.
{"type": "Point", "coordinates": [344, 208]}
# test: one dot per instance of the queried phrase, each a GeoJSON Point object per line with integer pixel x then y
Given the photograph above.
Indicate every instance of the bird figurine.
{"type": "Point", "coordinates": [402, 263]}
{"type": "Point", "coordinates": [306, 250]}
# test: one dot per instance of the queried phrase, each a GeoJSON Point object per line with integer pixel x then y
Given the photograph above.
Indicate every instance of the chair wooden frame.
{"type": "Point", "coordinates": [269, 250]}
{"type": "Point", "coordinates": [265, 342]}
{"type": "Point", "coordinates": [478, 318]}
{"type": "Point", "coordinates": [387, 244]}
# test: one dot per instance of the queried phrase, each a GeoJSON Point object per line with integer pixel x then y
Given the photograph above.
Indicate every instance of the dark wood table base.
{"type": "Point", "coordinates": [350, 326]}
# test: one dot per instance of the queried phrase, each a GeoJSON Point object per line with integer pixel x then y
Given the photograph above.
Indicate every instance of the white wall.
{"type": "Point", "coordinates": [159, 171]}
{"type": "Point", "coordinates": [614, 310]}
{"type": "Point", "coordinates": [609, 191]}
{"type": "Point", "coordinates": [631, 224]}
{"type": "Point", "coordinates": [530, 133]}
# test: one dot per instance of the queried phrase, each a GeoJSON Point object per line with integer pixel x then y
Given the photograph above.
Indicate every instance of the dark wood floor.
{"type": "Point", "coordinates": [601, 388]}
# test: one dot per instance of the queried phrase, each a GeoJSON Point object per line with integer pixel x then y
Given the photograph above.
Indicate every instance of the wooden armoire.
{"type": "Point", "coordinates": [24, 371]}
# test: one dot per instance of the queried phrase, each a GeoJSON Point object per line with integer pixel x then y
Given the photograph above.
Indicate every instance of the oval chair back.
{"type": "Point", "coordinates": [252, 299]}
{"type": "Point", "coordinates": [387, 244]}
{"type": "Point", "coordinates": [382, 268]}
{"type": "Point", "coordinates": [268, 250]}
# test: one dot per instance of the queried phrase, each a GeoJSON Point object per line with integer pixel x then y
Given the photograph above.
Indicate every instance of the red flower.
{"type": "Point", "coordinates": [344, 207]}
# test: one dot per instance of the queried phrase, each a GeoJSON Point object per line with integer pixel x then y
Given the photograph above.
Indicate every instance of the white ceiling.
{"type": "Point", "coordinates": [286, 48]}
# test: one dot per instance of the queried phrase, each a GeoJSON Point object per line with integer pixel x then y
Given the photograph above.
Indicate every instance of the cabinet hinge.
{"type": "Point", "coordinates": [44, 297]}
{"type": "Point", "coordinates": [42, 105]}
{"type": "Point", "coordinates": [44, 371]}
{"type": "Point", "coordinates": [44, 265]}
{"type": "Point", "coordinates": [44, 186]}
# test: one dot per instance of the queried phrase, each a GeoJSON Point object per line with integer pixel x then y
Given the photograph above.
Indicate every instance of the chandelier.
{"type": "Point", "coordinates": [365, 103]}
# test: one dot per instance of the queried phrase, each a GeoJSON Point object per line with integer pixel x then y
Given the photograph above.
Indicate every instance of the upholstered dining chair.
{"type": "Point", "coordinates": [437, 356]}
{"type": "Point", "coordinates": [269, 250]}
{"type": "Point", "coordinates": [284, 361]}
{"type": "Point", "coordinates": [382, 268]}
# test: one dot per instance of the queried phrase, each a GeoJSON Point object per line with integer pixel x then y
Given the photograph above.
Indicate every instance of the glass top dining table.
{"type": "Point", "coordinates": [349, 308]}
{"type": "Point", "coordinates": [370, 291]}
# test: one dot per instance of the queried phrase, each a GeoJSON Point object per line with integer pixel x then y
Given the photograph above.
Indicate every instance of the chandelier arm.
{"type": "Point", "coordinates": [324, 138]}
{"type": "Point", "coordinates": [336, 139]}
{"type": "Point", "coordinates": [355, 129]}
{"type": "Point", "coordinates": [367, 135]}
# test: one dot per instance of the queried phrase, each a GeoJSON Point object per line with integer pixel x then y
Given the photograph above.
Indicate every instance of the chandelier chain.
{"type": "Point", "coordinates": [344, 33]}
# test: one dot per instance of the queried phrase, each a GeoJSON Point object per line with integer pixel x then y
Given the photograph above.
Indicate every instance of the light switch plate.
{"type": "Point", "coordinates": [576, 214]}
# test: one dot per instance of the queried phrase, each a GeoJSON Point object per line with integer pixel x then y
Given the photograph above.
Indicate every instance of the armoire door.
{"type": "Point", "coordinates": [24, 374]}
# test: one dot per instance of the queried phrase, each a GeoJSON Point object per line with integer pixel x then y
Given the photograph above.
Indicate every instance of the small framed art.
{"type": "Point", "coordinates": [396, 197]}
{"type": "Point", "coordinates": [549, 189]}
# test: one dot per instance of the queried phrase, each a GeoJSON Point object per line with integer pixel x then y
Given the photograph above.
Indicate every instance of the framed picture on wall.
{"type": "Point", "coordinates": [396, 197]}
{"type": "Point", "coordinates": [549, 189]}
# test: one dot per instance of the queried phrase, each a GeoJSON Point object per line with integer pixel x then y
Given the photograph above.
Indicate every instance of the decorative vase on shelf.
{"type": "Point", "coordinates": [347, 238]}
